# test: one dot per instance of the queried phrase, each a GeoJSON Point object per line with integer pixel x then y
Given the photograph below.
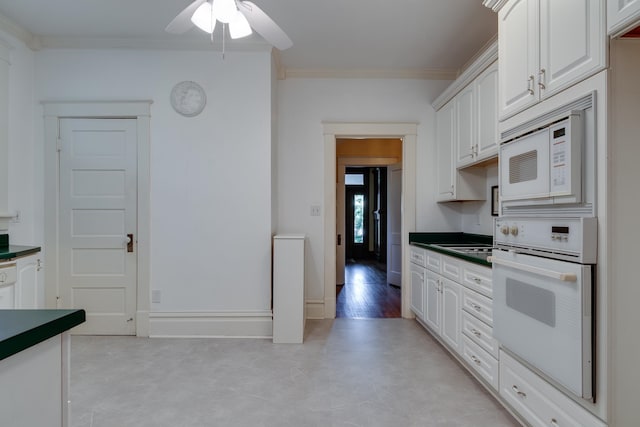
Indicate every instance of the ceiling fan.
{"type": "Point", "coordinates": [240, 16]}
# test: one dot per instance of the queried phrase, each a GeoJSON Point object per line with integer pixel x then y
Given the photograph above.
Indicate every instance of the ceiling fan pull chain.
{"type": "Point", "coordinates": [224, 38]}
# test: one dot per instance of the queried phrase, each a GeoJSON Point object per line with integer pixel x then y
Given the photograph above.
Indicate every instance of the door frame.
{"type": "Point", "coordinates": [53, 111]}
{"type": "Point", "coordinates": [407, 132]}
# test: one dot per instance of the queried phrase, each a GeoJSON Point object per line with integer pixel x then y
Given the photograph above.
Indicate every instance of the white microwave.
{"type": "Point", "coordinates": [544, 166]}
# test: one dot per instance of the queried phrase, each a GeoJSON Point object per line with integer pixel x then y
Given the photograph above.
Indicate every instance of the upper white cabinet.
{"type": "Point", "coordinates": [445, 134]}
{"type": "Point", "coordinates": [545, 46]}
{"type": "Point", "coordinates": [477, 119]}
{"type": "Point", "coordinates": [486, 102]}
{"type": "Point", "coordinates": [622, 15]}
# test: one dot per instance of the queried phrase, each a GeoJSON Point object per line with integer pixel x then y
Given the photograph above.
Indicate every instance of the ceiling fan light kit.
{"type": "Point", "coordinates": [241, 16]}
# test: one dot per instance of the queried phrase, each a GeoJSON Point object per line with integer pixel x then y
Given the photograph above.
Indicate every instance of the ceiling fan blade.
{"type": "Point", "coordinates": [265, 26]}
{"type": "Point", "coordinates": [182, 23]}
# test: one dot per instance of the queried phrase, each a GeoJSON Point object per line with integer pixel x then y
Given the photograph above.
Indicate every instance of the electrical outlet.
{"type": "Point", "coordinates": [315, 210]}
{"type": "Point", "coordinates": [155, 296]}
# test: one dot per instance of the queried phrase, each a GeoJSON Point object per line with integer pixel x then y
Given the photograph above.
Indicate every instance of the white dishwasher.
{"type": "Point", "coordinates": [8, 278]}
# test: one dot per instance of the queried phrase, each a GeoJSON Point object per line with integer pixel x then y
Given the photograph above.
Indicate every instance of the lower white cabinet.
{"type": "Point", "coordinates": [540, 404]}
{"type": "Point", "coordinates": [418, 277]}
{"type": "Point", "coordinates": [450, 297]}
{"type": "Point", "coordinates": [29, 289]}
{"type": "Point", "coordinates": [480, 361]}
{"type": "Point", "coordinates": [433, 303]}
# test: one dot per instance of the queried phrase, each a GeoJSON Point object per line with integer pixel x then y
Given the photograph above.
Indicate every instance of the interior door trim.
{"type": "Point", "coordinates": [53, 111]}
{"type": "Point", "coordinates": [408, 133]}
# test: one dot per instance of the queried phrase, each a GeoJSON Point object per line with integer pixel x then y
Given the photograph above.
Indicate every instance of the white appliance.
{"type": "Point", "coordinates": [542, 303]}
{"type": "Point", "coordinates": [544, 166]}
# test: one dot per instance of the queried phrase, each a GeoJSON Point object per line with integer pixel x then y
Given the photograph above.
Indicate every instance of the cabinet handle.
{"type": "Point", "coordinates": [554, 422]}
{"type": "Point", "coordinates": [476, 279]}
{"type": "Point", "coordinates": [475, 360]}
{"type": "Point", "coordinates": [530, 85]}
{"type": "Point", "coordinates": [476, 307]}
{"type": "Point", "coordinates": [476, 332]}
{"type": "Point", "coordinates": [476, 150]}
{"type": "Point", "coordinates": [518, 392]}
{"type": "Point", "coordinates": [540, 79]}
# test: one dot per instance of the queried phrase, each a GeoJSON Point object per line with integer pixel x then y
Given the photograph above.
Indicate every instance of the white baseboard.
{"type": "Point", "coordinates": [142, 323]}
{"type": "Point", "coordinates": [315, 309]}
{"type": "Point", "coordinates": [225, 324]}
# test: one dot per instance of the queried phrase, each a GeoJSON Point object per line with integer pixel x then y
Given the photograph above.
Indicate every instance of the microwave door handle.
{"type": "Point", "coordinates": [564, 277]}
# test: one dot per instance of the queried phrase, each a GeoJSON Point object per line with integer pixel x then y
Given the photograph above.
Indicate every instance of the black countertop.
{"type": "Point", "coordinates": [430, 240]}
{"type": "Point", "coordinates": [15, 251]}
{"type": "Point", "coordinates": [21, 329]}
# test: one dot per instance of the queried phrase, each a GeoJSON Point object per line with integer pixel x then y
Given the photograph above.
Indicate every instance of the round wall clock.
{"type": "Point", "coordinates": [188, 98]}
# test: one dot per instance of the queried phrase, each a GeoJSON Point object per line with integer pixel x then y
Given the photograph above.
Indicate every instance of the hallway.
{"type": "Point", "coordinates": [366, 293]}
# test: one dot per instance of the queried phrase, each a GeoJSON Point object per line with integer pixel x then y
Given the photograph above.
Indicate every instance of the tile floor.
{"type": "Point", "coordinates": [349, 372]}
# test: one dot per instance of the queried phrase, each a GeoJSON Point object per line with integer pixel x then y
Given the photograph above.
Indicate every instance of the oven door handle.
{"type": "Point", "coordinates": [564, 277]}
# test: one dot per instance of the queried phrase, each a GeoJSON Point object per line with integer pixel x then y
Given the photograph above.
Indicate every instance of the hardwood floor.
{"type": "Point", "coordinates": [366, 293]}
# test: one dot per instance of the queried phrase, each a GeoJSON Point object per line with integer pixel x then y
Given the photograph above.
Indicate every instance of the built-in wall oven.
{"type": "Point", "coordinates": [543, 279]}
{"type": "Point", "coordinates": [544, 261]}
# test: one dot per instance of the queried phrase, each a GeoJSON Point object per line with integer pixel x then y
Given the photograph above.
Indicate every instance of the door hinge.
{"type": "Point", "coordinates": [58, 145]}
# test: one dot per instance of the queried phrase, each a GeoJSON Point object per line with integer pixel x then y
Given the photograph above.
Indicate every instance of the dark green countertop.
{"type": "Point", "coordinates": [428, 240]}
{"type": "Point", "coordinates": [15, 251]}
{"type": "Point", "coordinates": [21, 329]}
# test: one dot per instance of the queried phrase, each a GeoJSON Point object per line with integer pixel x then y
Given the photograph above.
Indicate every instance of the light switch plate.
{"type": "Point", "coordinates": [315, 210]}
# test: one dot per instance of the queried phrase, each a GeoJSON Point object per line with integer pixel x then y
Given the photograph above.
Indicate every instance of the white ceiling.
{"type": "Point", "coordinates": [348, 36]}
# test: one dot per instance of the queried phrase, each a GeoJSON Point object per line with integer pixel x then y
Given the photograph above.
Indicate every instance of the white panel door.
{"type": "Point", "coordinates": [394, 225]}
{"type": "Point", "coordinates": [451, 302]}
{"type": "Point", "coordinates": [487, 112]}
{"type": "Point", "coordinates": [432, 301]}
{"type": "Point", "coordinates": [98, 191]}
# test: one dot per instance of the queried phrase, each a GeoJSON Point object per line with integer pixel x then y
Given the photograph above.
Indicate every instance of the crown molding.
{"type": "Point", "coordinates": [420, 74]}
{"type": "Point", "coordinates": [494, 5]}
{"type": "Point", "coordinates": [10, 27]}
{"type": "Point", "coordinates": [479, 63]}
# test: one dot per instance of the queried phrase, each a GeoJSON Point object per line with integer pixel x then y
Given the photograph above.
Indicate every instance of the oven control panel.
{"type": "Point", "coordinates": [565, 238]}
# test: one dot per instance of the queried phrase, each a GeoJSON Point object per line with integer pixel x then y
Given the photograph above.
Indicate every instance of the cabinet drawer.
{"type": "Point", "coordinates": [480, 333]}
{"type": "Point", "coordinates": [451, 268]}
{"type": "Point", "coordinates": [434, 260]}
{"type": "Point", "coordinates": [480, 361]}
{"type": "Point", "coordinates": [537, 401]}
{"type": "Point", "coordinates": [477, 305]}
{"type": "Point", "coordinates": [478, 278]}
{"type": "Point", "coordinates": [418, 256]}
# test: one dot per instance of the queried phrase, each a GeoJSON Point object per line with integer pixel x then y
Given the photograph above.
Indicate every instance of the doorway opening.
{"type": "Point", "coordinates": [367, 285]}
{"type": "Point", "coordinates": [332, 131]}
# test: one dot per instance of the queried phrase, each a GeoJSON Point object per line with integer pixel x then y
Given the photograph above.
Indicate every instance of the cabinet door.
{"type": "Point", "coordinates": [518, 53]}
{"type": "Point", "coordinates": [445, 132]}
{"type": "Point", "coordinates": [432, 301]}
{"type": "Point", "coordinates": [622, 14]}
{"type": "Point", "coordinates": [417, 290]}
{"type": "Point", "coordinates": [487, 113]}
{"type": "Point", "coordinates": [450, 328]}
{"type": "Point", "coordinates": [28, 293]}
{"type": "Point", "coordinates": [465, 126]}
{"type": "Point", "coordinates": [572, 43]}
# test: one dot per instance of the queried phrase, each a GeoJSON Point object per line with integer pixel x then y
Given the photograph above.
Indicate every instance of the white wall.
{"type": "Point", "coordinates": [476, 216]}
{"type": "Point", "coordinates": [23, 158]}
{"type": "Point", "coordinates": [210, 175]}
{"type": "Point", "coordinates": [303, 105]}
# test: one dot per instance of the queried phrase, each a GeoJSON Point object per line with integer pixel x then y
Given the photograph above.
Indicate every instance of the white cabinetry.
{"type": "Point", "coordinates": [622, 15]}
{"type": "Point", "coordinates": [442, 299]}
{"type": "Point", "coordinates": [458, 309]}
{"type": "Point", "coordinates": [545, 46]}
{"type": "Point", "coordinates": [539, 403]}
{"type": "Point", "coordinates": [418, 277]}
{"type": "Point", "coordinates": [29, 289]}
{"type": "Point", "coordinates": [477, 119]}
{"type": "Point", "coordinates": [454, 184]}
